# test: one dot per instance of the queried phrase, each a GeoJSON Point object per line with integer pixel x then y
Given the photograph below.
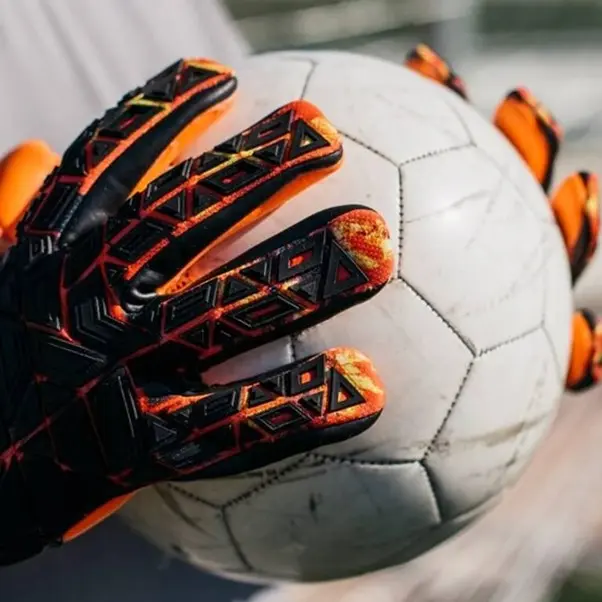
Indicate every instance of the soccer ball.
{"type": "Point", "coordinates": [471, 337]}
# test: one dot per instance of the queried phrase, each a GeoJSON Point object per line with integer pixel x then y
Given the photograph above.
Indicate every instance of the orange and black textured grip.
{"type": "Point", "coordinates": [108, 324]}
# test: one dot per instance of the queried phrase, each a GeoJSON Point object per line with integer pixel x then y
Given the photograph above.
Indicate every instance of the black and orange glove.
{"type": "Point", "coordinates": [108, 321]}
{"type": "Point", "coordinates": [536, 135]}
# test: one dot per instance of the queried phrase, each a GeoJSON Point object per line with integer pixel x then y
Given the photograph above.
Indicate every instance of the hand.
{"type": "Point", "coordinates": [108, 321]}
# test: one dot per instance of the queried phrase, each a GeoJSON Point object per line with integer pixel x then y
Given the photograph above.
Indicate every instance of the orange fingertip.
{"type": "Point", "coordinates": [532, 130]}
{"type": "Point", "coordinates": [581, 352]}
{"type": "Point", "coordinates": [526, 97]}
{"type": "Point", "coordinates": [22, 173]}
{"type": "Point", "coordinates": [426, 62]}
{"type": "Point", "coordinates": [309, 112]}
{"type": "Point", "coordinates": [363, 233]}
{"type": "Point", "coordinates": [567, 204]}
{"type": "Point", "coordinates": [576, 200]}
{"type": "Point", "coordinates": [597, 354]}
{"type": "Point", "coordinates": [361, 374]}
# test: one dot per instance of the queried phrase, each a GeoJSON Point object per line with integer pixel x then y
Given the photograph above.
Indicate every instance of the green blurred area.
{"type": "Point", "coordinates": [582, 589]}
{"type": "Point", "coordinates": [270, 24]}
{"type": "Point", "coordinates": [554, 16]}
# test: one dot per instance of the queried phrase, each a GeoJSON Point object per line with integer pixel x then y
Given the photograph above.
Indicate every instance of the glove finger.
{"type": "Point", "coordinates": [133, 141]}
{"type": "Point", "coordinates": [428, 63]}
{"type": "Point", "coordinates": [533, 131]}
{"type": "Point", "coordinates": [22, 173]}
{"type": "Point", "coordinates": [576, 206]}
{"type": "Point", "coordinates": [202, 202]}
{"type": "Point", "coordinates": [226, 430]}
{"type": "Point", "coordinates": [312, 271]}
{"type": "Point", "coordinates": [585, 367]}
{"type": "Point", "coordinates": [240, 427]}
{"type": "Point", "coordinates": [151, 431]}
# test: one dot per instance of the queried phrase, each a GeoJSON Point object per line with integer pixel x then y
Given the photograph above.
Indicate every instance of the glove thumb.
{"type": "Point", "coordinates": [22, 173]}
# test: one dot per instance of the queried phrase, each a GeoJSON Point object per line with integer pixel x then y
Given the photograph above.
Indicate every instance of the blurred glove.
{"type": "Point", "coordinates": [536, 135]}
{"type": "Point", "coordinates": [106, 329]}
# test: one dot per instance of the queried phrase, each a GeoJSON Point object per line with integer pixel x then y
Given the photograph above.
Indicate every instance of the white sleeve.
{"type": "Point", "coordinates": [64, 61]}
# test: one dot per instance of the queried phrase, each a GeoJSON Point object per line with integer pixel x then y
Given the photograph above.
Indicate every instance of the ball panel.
{"type": "Point", "coordinates": [301, 525]}
{"type": "Point", "coordinates": [249, 364]}
{"type": "Point", "coordinates": [419, 358]}
{"type": "Point", "coordinates": [212, 545]}
{"type": "Point", "coordinates": [526, 445]}
{"type": "Point", "coordinates": [344, 85]}
{"type": "Point", "coordinates": [184, 527]}
{"type": "Point", "coordinates": [446, 183]}
{"type": "Point", "coordinates": [498, 418]}
{"type": "Point", "coordinates": [558, 307]}
{"type": "Point", "coordinates": [479, 259]}
{"type": "Point", "coordinates": [226, 491]}
{"type": "Point", "coordinates": [498, 150]}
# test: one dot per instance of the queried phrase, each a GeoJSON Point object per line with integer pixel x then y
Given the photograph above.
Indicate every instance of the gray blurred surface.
{"type": "Point", "coordinates": [64, 62]}
{"type": "Point", "coordinates": [110, 564]}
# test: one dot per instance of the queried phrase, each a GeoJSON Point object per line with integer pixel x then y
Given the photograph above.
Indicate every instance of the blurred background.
{"type": "Point", "coordinates": [553, 46]}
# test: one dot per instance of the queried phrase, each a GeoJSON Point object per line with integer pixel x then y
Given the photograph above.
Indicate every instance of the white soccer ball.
{"type": "Point", "coordinates": [471, 337]}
